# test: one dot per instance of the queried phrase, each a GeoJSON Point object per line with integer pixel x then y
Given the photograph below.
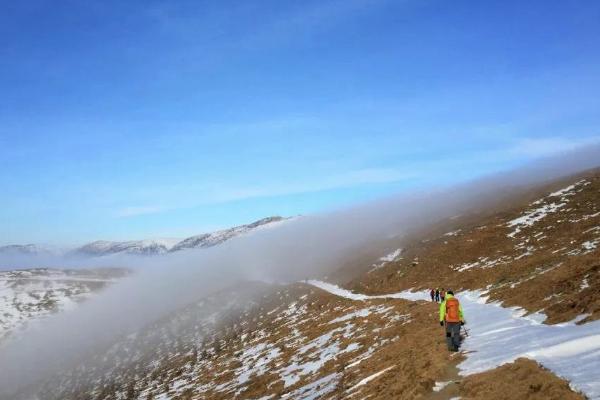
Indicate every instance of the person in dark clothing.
{"type": "Point", "coordinates": [437, 295]}
{"type": "Point", "coordinates": [442, 294]}
{"type": "Point", "coordinates": [452, 316]}
{"type": "Point", "coordinates": [432, 294]}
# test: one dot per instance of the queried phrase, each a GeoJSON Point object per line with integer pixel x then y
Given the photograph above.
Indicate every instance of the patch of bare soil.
{"type": "Point", "coordinates": [522, 379]}
{"type": "Point", "coordinates": [447, 385]}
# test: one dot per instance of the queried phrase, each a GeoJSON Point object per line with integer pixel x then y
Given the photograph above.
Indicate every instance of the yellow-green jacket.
{"type": "Point", "coordinates": [443, 309]}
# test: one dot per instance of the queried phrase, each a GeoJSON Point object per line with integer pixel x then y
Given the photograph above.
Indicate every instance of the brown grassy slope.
{"type": "Point", "coordinates": [523, 379]}
{"type": "Point", "coordinates": [298, 322]}
{"type": "Point", "coordinates": [544, 267]}
{"type": "Point", "coordinates": [416, 356]}
{"type": "Point", "coordinates": [548, 276]}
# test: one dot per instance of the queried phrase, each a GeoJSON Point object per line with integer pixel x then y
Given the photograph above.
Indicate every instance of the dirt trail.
{"type": "Point", "coordinates": [450, 379]}
{"type": "Point", "coordinates": [448, 384]}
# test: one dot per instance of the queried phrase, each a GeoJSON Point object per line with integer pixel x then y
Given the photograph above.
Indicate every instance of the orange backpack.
{"type": "Point", "coordinates": [452, 310]}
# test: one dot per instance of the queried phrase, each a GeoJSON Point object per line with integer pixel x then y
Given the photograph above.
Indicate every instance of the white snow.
{"type": "Point", "coordinates": [483, 263]}
{"type": "Point", "coordinates": [255, 360]}
{"type": "Point", "coordinates": [314, 390]}
{"type": "Point", "coordinates": [144, 246]}
{"type": "Point", "coordinates": [565, 191]}
{"type": "Point", "coordinates": [590, 245]}
{"type": "Point", "coordinates": [571, 351]}
{"type": "Point", "coordinates": [363, 313]}
{"type": "Point", "coordinates": [27, 295]}
{"type": "Point", "coordinates": [439, 386]}
{"type": "Point", "coordinates": [214, 238]}
{"type": "Point", "coordinates": [338, 291]}
{"type": "Point", "coordinates": [370, 378]}
{"type": "Point", "coordinates": [534, 215]}
{"type": "Point", "coordinates": [313, 355]}
{"type": "Point", "coordinates": [452, 233]}
{"type": "Point", "coordinates": [585, 284]}
{"type": "Point", "coordinates": [393, 256]}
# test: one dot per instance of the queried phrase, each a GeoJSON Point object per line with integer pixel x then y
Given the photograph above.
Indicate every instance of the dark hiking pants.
{"type": "Point", "coordinates": [453, 335]}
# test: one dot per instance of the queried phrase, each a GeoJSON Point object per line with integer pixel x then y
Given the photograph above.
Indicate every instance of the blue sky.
{"type": "Point", "coordinates": [144, 119]}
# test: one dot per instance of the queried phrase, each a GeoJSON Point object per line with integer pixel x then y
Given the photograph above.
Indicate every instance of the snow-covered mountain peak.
{"type": "Point", "coordinates": [161, 246]}
{"type": "Point", "coordinates": [141, 247]}
{"type": "Point", "coordinates": [212, 239]}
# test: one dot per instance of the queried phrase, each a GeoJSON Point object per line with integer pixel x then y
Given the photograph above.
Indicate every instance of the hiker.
{"type": "Point", "coordinates": [442, 294]}
{"type": "Point", "coordinates": [437, 295]}
{"type": "Point", "coordinates": [451, 315]}
{"type": "Point", "coordinates": [432, 294]}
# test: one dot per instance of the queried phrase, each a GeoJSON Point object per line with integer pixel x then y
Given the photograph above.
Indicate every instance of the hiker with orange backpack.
{"type": "Point", "coordinates": [451, 315]}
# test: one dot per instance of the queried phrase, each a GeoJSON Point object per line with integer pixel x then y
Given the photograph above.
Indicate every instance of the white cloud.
{"type": "Point", "coordinates": [547, 146]}
{"type": "Point", "coordinates": [190, 196]}
{"type": "Point", "coordinates": [367, 176]}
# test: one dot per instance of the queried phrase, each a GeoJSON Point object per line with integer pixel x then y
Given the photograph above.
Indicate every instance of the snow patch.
{"type": "Point", "coordinates": [370, 378]}
{"type": "Point", "coordinates": [452, 233]}
{"type": "Point", "coordinates": [316, 389]}
{"type": "Point", "coordinates": [345, 293]}
{"type": "Point", "coordinates": [439, 386]}
{"type": "Point", "coordinates": [393, 256]}
{"type": "Point", "coordinates": [543, 210]}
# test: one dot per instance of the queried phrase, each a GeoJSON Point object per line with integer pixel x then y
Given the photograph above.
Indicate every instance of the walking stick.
{"type": "Point", "coordinates": [466, 331]}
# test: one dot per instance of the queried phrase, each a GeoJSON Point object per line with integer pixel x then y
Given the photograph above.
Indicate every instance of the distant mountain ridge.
{"type": "Point", "coordinates": [140, 247]}
{"type": "Point", "coordinates": [147, 247]}
{"type": "Point", "coordinates": [162, 246]}
{"type": "Point", "coordinates": [30, 249]}
{"type": "Point", "coordinates": [212, 239]}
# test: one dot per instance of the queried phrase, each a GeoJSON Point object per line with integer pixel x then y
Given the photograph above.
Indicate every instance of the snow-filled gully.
{"type": "Point", "coordinates": [499, 335]}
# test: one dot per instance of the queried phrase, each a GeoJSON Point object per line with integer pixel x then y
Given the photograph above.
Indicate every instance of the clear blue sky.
{"type": "Point", "coordinates": [135, 119]}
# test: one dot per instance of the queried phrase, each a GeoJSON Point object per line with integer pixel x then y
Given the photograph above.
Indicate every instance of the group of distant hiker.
{"type": "Point", "coordinates": [437, 294]}
{"type": "Point", "coordinates": [451, 316]}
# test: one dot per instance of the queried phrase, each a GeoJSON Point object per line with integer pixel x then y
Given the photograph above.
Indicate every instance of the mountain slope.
{"type": "Point", "coordinates": [542, 255]}
{"type": "Point", "coordinates": [288, 342]}
{"type": "Point", "coordinates": [27, 249]}
{"type": "Point", "coordinates": [28, 295]}
{"type": "Point", "coordinates": [212, 239]}
{"type": "Point", "coordinates": [137, 247]}
{"type": "Point", "coordinates": [537, 251]}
